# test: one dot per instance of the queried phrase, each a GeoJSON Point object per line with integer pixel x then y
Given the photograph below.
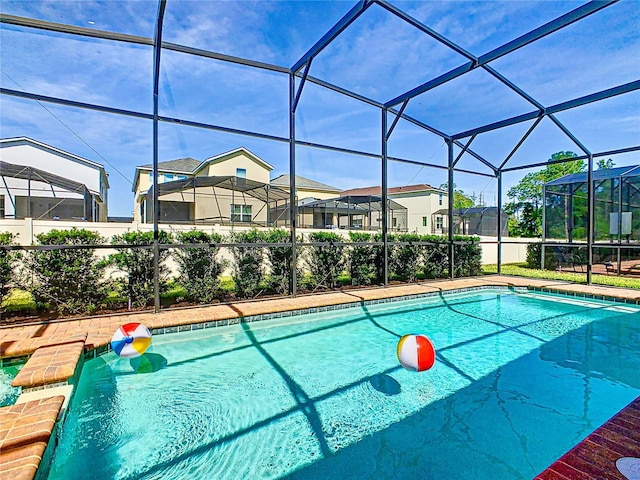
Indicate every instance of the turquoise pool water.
{"type": "Point", "coordinates": [519, 379]}
{"type": "Point", "coordinates": [9, 394]}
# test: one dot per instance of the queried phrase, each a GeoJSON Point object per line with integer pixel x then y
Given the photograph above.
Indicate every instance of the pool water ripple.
{"type": "Point", "coordinates": [322, 396]}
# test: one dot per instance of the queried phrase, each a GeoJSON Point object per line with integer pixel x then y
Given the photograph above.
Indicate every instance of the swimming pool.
{"type": "Point", "coordinates": [519, 379]}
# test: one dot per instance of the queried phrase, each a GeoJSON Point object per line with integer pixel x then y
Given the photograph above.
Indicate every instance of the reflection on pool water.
{"type": "Point", "coordinates": [519, 379]}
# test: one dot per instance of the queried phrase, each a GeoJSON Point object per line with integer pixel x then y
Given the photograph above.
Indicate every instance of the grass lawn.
{"type": "Point", "coordinates": [522, 270]}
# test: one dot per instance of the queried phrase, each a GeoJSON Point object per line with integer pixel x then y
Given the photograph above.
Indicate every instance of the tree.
{"type": "Point", "coordinates": [460, 199]}
{"type": "Point", "coordinates": [529, 189]}
{"type": "Point", "coordinates": [526, 196]}
{"type": "Point", "coordinates": [603, 164]}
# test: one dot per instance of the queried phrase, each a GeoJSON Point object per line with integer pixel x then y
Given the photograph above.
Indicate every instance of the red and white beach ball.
{"type": "Point", "coordinates": [131, 340]}
{"type": "Point", "coordinates": [416, 352]}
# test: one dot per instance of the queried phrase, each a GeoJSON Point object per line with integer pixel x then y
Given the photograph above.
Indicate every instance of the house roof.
{"type": "Point", "coordinates": [377, 190]}
{"type": "Point", "coordinates": [7, 142]}
{"type": "Point", "coordinates": [191, 166]}
{"type": "Point", "coordinates": [349, 204]}
{"type": "Point", "coordinates": [303, 183]}
{"type": "Point", "coordinates": [224, 156]}
{"type": "Point", "coordinates": [601, 174]}
{"type": "Point", "coordinates": [180, 165]}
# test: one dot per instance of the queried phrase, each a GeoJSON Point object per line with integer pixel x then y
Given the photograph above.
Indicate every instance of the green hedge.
{"type": "Point", "coordinates": [136, 261]}
{"type": "Point", "coordinates": [248, 263]}
{"type": "Point", "coordinates": [69, 280]}
{"type": "Point", "coordinates": [199, 268]}
{"type": "Point", "coordinates": [325, 262]}
{"type": "Point", "coordinates": [72, 280]}
{"type": "Point", "coordinates": [8, 261]}
{"type": "Point", "coordinates": [362, 259]}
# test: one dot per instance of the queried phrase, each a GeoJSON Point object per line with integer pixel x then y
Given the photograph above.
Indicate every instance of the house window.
{"type": "Point", "coordinates": [181, 177]}
{"type": "Point", "coordinates": [168, 177]}
{"type": "Point", "coordinates": [241, 172]}
{"type": "Point", "coordinates": [424, 221]}
{"type": "Point", "coordinates": [240, 213]}
{"type": "Point", "coordinates": [1, 206]}
{"type": "Point", "coordinates": [395, 222]}
{"type": "Point", "coordinates": [439, 223]}
{"type": "Point", "coordinates": [440, 199]}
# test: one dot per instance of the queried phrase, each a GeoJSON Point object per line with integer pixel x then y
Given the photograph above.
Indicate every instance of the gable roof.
{"type": "Point", "coordinates": [8, 142]}
{"type": "Point", "coordinates": [377, 190]}
{"type": "Point", "coordinates": [224, 156]}
{"type": "Point", "coordinates": [191, 166]}
{"type": "Point", "coordinates": [303, 183]}
{"type": "Point", "coordinates": [180, 165]}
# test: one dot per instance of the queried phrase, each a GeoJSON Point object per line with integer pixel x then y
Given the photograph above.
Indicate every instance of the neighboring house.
{"type": "Point", "coordinates": [307, 191]}
{"type": "Point", "coordinates": [43, 182]}
{"type": "Point", "coordinates": [421, 201]}
{"type": "Point", "coordinates": [232, 187]}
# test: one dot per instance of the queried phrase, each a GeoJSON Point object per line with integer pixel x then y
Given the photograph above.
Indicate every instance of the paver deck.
{"type": "Point", "coordinates": [50, 364]}
{"type": "Point", "coordinates": [58, 344]}
{"type": "Point", "coordinates": [25, 429]}
{"type": "Point", "coordinates": [596, 456]}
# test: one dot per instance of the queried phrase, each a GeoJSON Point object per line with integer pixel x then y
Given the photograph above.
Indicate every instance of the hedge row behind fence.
{"type": "Point", "coordinates": [72, 280]}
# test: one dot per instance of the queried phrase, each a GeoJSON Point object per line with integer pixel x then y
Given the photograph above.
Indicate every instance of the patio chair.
{"type": "Point", "coordinates": [565, 258]}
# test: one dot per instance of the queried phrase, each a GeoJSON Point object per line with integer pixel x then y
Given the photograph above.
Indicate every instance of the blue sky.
{"type": "Point", "coordinates": [378, 56]}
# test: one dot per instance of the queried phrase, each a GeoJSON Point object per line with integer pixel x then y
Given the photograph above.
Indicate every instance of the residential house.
{"type": "Point", "coordinates": [307, 192]}
{"type": "Point", "coordinates": [232, 187]}
{"type": "Point", "coordinates": [420, 201]}
{"type": "Point", "coordinates": [44, 182]}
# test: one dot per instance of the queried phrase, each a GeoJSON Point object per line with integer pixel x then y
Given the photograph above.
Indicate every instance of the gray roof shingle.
{"type": "Point", "coordinates": [187, 164]}
{"type": "Point", "coordinates": [302, 182]}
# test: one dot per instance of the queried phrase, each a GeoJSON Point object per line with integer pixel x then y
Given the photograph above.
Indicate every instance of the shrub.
{"type": "Point", "coordinates": [248, 263]}
{"type": "Point", "coordinates": [467, 256]}
{"type": "Point", "coordinates": [407, 259]}
{"type": "Point", "coordinates": [325, 262]}
{"type": "Point", "coordinates": [435, 256]}
{"type": "Point", "coordinates": [8, 261]}
{"type": "Point", "coordinates": [379, 255]}
{"type": "Point", "coordinates": [136, 261]}
{"type": "Point", "coordinates": [199, 269]}
{"type": "Point", "coordinates": [362, 259]}
{"type": "Point", "coordinates": [534, 257]}
{"type": "Point", "coordinates": [280, 261]}
{"type": "Point", "coordinates": [67, 280]}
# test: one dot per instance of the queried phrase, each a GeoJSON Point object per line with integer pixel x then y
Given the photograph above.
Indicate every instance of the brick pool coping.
{"type": "Point", "coordinates": [595, 457]}
{"type": "Point", "coordinates": [56, 347]}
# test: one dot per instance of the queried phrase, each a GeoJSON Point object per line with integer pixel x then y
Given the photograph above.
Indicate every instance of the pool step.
{"type": "Point", "coordinates": [25, 430]}
{"type": "Point", "coordinates": [51, 365]}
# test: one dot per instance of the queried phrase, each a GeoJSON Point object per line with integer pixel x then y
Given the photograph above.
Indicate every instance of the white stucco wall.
{"type": "Point", "coordinates": [27, 229]}
{"type": "Point", "coordinates": [420, 204]}
{"type": "Point", "coordinates": [62, 165]}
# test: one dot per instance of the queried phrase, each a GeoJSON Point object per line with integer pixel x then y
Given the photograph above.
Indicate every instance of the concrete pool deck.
{"type": "Point", "coordinates": [55, 348]}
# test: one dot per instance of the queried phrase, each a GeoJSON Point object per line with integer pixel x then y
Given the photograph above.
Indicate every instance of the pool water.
{"type": "Point", "coordinates": [9, 394]}
{"type": "Point", "coordinates": [519, 379]}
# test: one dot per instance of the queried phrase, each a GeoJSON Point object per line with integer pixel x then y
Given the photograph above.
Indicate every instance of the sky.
{"type": "Point", "coordinates": [379, 56]}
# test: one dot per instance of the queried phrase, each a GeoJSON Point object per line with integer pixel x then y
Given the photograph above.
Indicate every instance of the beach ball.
{"type": "Point", "coordinates": [131, 340]}
{"type": "Point", "coordinates": [416, 352]}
